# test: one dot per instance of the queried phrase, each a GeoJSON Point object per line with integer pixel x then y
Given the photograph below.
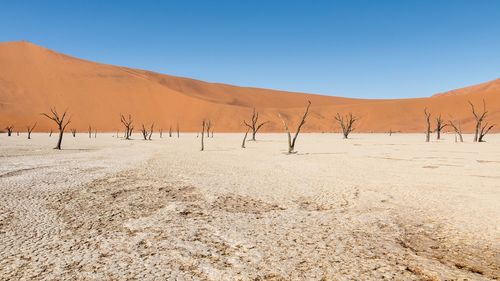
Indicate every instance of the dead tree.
{"type": "Point", "coordinates": [95, 134]}
{"type": "Point", "coordinates": [484, 130]}
{"type": "Point", "coordinates": [61, 123]}
{"type": "Point", "coordinates": [254, 125]}
{"type": "Point", "coordinates": [17, 133]}
{"type": "Point", "coordinates": [90, 132]}
{"type": "Point", "coordinates": [30, 129]}
{"type": "Point", "coordinates": [9, 130]}
{"type": "Point", "coordinates": [346, 123]}
{"type": "Point", "coordinates": [151, 131]}
{"type": "Point", "coordinates": [439, 126]}
{"type": "Point", "coordinates": [457, 128]}
{"type": "Point", "coordinates": [428, 120]}
{"type": "Point", "coordinates": [128, 124]}
{"type": "Point", "coordinates": [50, 133]}
{"type": "Point", "coordinates": [161, 133]}
{"type": "Point", "coordinates": [212, 133]}
{"type": "Point", "coordinates": [245, 138]}
{"type": "Point", "coordinates": [208, 125]}
{"type": "Point", "coordinates": [178, 134]}
{"type": "Point", "coordinates": [145, 133]}
{"type": "Point", "coordinates": [170, 132]}
{"type": "Point", "coordinates": [291, 142]}
{"type": "Point", "coordinates": [73, 132]}
{"type": "Point", "coordinates": [479, 119]}
{"type": "Point", "coordinates": [203, 125]}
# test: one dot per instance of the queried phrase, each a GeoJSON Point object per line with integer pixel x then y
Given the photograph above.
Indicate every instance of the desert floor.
{"type": "Point", "coordinates": [369, 208]}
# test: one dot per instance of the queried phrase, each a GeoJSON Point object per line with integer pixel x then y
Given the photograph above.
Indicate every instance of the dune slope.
{"type": "Point", "coordinates": [33, 79]}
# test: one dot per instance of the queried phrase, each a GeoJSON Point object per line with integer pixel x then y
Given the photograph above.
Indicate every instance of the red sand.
{"type": "Point", "coordinates": [32, 79]}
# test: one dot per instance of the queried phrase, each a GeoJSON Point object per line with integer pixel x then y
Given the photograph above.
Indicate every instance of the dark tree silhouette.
{"type": "Point", "coordinates": [245, 138]}
{"type": "Point", "coordinates": [73, 132]}
{"type": "Point", "coordinates": [291, 142]}
{"type": "Point", "coordinates": [346, 123]}
{"type": "Point", "coordinates": [9, 130]}
{"type": "Point", "coordinates": [254, 124]}
{"type": "Point", "coordinates": [428, 121]}
{"type": "Point", "coordinates": [484, 130]}
{"type": "Point", "coordinates": [439, 126]}
{"type": "Point", "coordinates": [161, 133]}
{"type": "Point", "coordinates": [208, 125]}
{"type": "Point", "coordinates": [61, 123]}
{"type": "Point", "coordinates": [147, 134]}
{"type": "Point", "coordinates": [30, 129]}
{"type": "Point", "coordinates": [203, 126]}
{"type": "Point", "coordinates": [178, 133]}
{"type": "Point", "coordinates": [50, 133]}
{"type": "Point", "coordinates": [128, 124]}
{"type": "Point", "coordinates": [90, 132]}
{"type": "Point", "coordinates": [170, 132]}
{"type": "Point", "coordinates": [457, 128]}
{"type": "Point", "coordinates": [479, 119]}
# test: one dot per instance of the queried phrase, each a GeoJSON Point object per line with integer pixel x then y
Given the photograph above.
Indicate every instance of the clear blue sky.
{"type": "Point", "coordinates": [367, 49]}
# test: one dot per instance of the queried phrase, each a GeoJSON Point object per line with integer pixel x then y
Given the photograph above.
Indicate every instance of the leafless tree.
{"type": "Point", "coordinates": [254, 124]}
{"type": "Point", "coordinates": [95, 134]}
{"type": "Point", "coordinates": [161, 133]}
{"type": "Point", "coordinates": [151, 131]}
{"type": "Point", "coordinates": [170, 132]}
{"type": "Point", "coordinates": [484, 130]}
{"type": "Point", "coordinates": [61, 123]}
{"type": "Point", "coordinates": [30, 129]}
{"type": "Point", "coordinates": [90, 132]}
{"type": "Point", "coordinates": [145, 133]}
{"type": "Point", "coordinates": [291, 142]}
{"type": "Point", "coordinates": [9, 130]}
{"type": "Point", "coordinates": [50, 133]}
{"type": "Point", "coordinates": [212, 133]}
{"type": "Point", "coordinates": [439, 126]}
{"type": "Point", "coordinates": [178, 133]}
{"type": "Point", "coordinates": [208, 125]}
{"type": "Point", "coordinates": [73, 132]}
{"type": "Point", "coordinates": [479, 119]}
{"type": "Point", "coordinates": [245, 138]}
{"type": "Point", "coordinates": [346, 123]}
{"type": "Point", "coordinates": [203, 126]}
{"type": "Point", "coordinates": [428, 120]}
{"type": "Point", "coordinates": [128, 124]}
{"type": "Point", "coordinates": [457, 128]}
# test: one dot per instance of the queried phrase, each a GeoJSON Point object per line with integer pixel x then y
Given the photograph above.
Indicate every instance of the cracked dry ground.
{"type": "Point", "coordinates": [142, 223]}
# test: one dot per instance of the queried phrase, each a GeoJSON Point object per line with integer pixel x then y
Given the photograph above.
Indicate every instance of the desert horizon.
{"type": "Point", "coordinates": [250, 140]}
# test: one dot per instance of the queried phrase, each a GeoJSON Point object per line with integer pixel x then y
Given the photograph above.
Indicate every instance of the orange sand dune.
{"type": "Point", "coordinates": [32, 79]}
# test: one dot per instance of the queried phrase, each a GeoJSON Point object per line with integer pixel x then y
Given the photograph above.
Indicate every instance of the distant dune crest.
{"type": "Point", "coordinates": [32, 79]}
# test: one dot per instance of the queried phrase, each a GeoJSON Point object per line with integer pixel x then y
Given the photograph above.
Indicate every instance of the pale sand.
{"type": "Point", "coordinates": [368, 208]}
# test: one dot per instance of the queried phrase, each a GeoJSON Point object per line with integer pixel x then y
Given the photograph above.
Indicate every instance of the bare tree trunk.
{"type": "Point", "coordinates": [95, 134]}
{"type": "Point", "coordinates": [202, 134]}
{"type": "Point", "coordinates": [484, 130]}
{"type": "Point", "coordinates": [61, 124]}
{"type": "Point", "coordinates": [479, 119]}
{"type": "Point", "coordinates": [90, 132]}
{"type": "Point", "coordinates": [208, 126]}
{"type": "Point", "coordinates": [9, 130]}
{"type": "Point", "coordinates": [30, 129]}
{"type": "Point", "coordinates": [161, 133]}
{"type": "Point", "coordinates": [346, 123]}
{"type": "Point", "coordinates": [50, 133]}
{"type": "Point", "coordinates": [457, 129]}
{"type": "Point", "coordinates": [128, 124]}
{"type": "Point", "coordinates": [291, 142]}
{"type": "Point", "coordinates": [254, 126]}
{"type": "Point", "coordinates": [151, 131]}
{"type": "Point", "coordinates": [178, 133]}
{"type": "Point", "coordinates": [245, 138]}
{"type": "Point", "coordinates": [73, 132]}
{"type": "Point", "coordinates": [428, 120]}
{"type": "Point", "coordinates": [170, 132]}
{"type": "Point", "coordinates": [439, 126]}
